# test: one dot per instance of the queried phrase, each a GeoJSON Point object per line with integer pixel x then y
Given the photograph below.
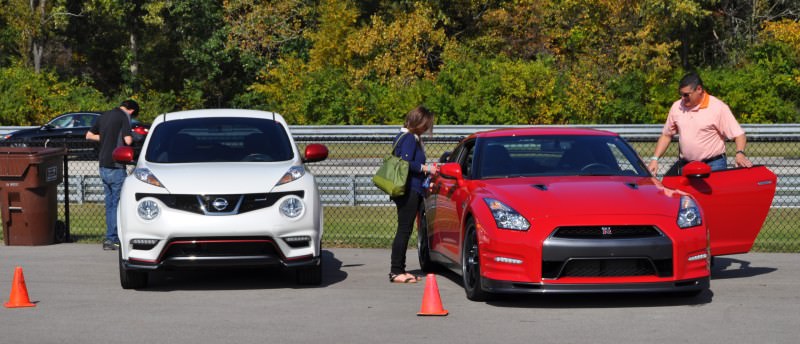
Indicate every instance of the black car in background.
{"type": "Point", "coordinates": [69, 130]}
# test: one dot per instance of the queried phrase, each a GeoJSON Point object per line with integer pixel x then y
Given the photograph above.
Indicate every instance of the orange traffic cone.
{"type": "Point", "coordinates": [19, 292]}
{"type": "Point", "coordinates": [431, 303]}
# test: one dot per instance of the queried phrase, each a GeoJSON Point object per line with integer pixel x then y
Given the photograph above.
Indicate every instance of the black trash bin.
{"type": "Point", "coordinates": [28, 194]}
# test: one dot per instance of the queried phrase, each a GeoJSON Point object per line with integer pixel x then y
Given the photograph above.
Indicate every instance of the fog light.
{"type": "Point", "coordinates": [292, 207]}
{"type": "Point", "coordinates": [508, 260]}
{"type": "Point", "coordinates": [143, 244]}
{"type": "Point", "coordinates": [298, 241]}
{"type": "Point", "coordinates": [148, 209]}
{"type": "Point", "coordinates": [697, 257]}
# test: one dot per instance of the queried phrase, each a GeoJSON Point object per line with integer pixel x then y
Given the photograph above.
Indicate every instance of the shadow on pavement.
{"type": "Point", "coordinates": [724, 267]}
{"type": "Point", "coordinates": [241, 278]}
{"type": "Point", "coordinates": [591, 300]}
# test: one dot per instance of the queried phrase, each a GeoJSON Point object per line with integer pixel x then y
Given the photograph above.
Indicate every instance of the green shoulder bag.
{"type": "Point", "coordinates": [393, 173]}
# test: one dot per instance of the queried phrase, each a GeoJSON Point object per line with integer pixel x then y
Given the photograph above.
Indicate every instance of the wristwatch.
{"type": "Point", "coordinates": [741, 152]}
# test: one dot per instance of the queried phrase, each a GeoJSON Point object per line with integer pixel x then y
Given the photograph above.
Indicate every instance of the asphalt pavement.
{"type": "Point", "coordinates": [754, 298]}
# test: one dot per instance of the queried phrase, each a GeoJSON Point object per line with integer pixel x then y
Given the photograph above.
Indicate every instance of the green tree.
{"type": "Point", "coordinates": [31, 98]}
{"type": "Point", "coordinates": [265, 30]}
{"type": "Point", "coordinates": [401, 51]}
{"type": "Point", "coordinates": [36, 22]}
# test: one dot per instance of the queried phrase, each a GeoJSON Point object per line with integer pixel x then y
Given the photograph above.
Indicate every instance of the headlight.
{"type": "Point", "coordinates": [689, 213]}
{"type": "Point", "coordinates": [147, 176]}
{"type": "Point", "coordinates": [294, 173]}
{"type": "Point", "coordinates": [505, 217]}
{"type": "Point", "coordinates": [292, 207]}
{"type": "Point", "coordinates": [148, 209]}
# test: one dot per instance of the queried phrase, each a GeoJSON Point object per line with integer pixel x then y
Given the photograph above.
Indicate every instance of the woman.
{"type": "Point", "coordinates": [410, 148]}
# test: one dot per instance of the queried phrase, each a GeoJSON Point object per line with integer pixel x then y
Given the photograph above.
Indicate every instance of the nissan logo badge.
{"type": "Point", "coordinates": [220, 204]}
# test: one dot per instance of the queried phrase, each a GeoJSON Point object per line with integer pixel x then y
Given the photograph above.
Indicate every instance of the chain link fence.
{"type": "Point", "coordinates": [359, 215]}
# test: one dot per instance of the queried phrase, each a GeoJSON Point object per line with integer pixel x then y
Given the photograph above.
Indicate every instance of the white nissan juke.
{"type": "Point", "coordinates": [219, 188]}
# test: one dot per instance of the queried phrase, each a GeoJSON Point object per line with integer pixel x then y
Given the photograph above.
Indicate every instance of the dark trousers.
{"type": "Point", "coordinates": [407, 209]}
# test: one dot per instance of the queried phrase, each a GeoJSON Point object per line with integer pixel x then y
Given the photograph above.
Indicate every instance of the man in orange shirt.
{"type": "Point", "coordinates": [703, 123]}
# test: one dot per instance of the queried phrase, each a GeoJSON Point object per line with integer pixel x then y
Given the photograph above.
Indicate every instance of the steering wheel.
{"type": "Point", "coordinates": [595, 166]}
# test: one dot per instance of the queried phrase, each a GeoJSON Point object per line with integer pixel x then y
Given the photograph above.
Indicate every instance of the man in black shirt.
{"type": "Point", "coordinates": [112, 130]}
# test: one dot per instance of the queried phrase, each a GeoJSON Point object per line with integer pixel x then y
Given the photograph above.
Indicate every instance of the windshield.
{"type": "Point", "coordinates": [501, 157]}
{"type": "Point", "coordinates": [225, 139]}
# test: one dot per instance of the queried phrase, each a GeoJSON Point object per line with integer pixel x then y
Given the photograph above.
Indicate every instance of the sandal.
{"type": "Point", "coordinates": [398, 278]}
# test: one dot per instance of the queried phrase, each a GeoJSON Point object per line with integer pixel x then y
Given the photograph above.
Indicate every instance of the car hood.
{"type": "Point", "coordinates": [220, 178]}
{"type": "Point", "coordinates": [30, 132]}
{"type": "Point", "coordinates": [569, 196]}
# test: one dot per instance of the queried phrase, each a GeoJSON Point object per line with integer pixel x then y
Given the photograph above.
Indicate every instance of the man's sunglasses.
{"type": "Point", "coordinates": [687, 94]}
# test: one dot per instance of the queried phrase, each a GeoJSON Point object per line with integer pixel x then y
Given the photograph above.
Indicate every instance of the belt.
{"type": "Point", "coordinates": [713, 158]}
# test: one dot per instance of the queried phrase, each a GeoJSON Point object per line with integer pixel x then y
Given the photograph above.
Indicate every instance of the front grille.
{"type": "Point", "coordinates": [219, 248]}
{"type": "Point", "coordinates": [606, 232]}
{"type": "Point", "coordinates": [204, 204]}
{"type": "Point", "coordinates": [607, 267]}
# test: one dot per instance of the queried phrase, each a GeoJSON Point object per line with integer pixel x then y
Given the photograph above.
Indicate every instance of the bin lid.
{"type": "Point", "coordinates": [15, 160]}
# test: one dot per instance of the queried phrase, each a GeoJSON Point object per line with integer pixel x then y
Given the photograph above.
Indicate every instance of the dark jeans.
{"type": "Point", "coordinates": [112, 185]}
{"type": "Point", "coordinates": [407, 209]}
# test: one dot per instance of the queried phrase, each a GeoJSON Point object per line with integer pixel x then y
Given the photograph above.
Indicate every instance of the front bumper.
{"type": "Point", "coordinates": [612, 257]}
{"type": "Point", "coordinates": [691, 285]}
{"type": "Point", "coordinates": [222, 252]}
{"type": "Point", "coordinates": [182, 237]}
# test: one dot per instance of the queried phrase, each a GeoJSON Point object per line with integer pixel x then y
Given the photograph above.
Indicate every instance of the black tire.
{"type": "Point", "coordinates": [423, 245]}
{"type": "Point", "coordinates": [470, 265]}
{"type": "Point", "coordinates": [309, 275]}
{"type": "Point", "coordinates": [131, 279]}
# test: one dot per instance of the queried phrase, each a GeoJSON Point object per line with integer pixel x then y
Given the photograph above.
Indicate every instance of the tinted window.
{"type": "Point", "coordinates": [557, 155]}
{"type": "Point", "coordinates": [74, 120]}
{"type": "Point", "coordinates": [219, 140]}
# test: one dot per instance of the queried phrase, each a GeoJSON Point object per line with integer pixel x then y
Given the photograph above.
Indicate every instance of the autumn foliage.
{"type": "Point", "coordinates": [368, 62]}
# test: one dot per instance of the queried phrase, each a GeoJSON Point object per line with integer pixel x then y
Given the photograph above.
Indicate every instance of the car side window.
{"type": "Point", "coordinates": [465, 158]}
{"type": "Point", "coordinates": [63, 122]}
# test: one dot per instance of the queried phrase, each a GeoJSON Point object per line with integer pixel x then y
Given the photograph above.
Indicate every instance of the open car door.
{"type": "Point", "coordinates": [735, 203]}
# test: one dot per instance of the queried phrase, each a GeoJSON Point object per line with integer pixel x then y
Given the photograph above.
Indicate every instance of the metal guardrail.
{"type": "Point", "coordinates": [354, 186]}
{"type": "Point", "coordinates": [345, 184]}
{"type": "Point", "coordinates": [8, 129]}
{"type": "Point", "coordinates": [628, 130]}
{"type": "Point", "coordinates": [335, 190]}
{"type": "Point", "coordinates": [358, 190]}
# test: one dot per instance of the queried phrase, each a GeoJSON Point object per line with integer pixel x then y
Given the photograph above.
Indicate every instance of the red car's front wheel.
{"type": "Point", "coordinates": [470, 264]}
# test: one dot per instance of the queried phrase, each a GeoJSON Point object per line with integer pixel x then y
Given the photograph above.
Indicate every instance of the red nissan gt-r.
{"type": "Point", "coordinates": [565, 210]}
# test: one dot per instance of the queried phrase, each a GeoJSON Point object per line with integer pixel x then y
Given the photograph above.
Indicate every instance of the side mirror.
{"type": "Point", "coordinates": [451, 170]}
{"type": "Point", "coordinates": [315, 152]}
{"type": "Point", "coordinates": [123, 155]}
{"type": "Point", "coordinates": [696, 169]}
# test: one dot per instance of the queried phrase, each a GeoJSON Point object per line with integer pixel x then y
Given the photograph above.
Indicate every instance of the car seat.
{"type": "Point", "coordinates": [496, 161]}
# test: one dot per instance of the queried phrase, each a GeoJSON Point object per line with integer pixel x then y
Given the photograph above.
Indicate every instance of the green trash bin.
{"type": "Point", "coordinates": [29, 177]}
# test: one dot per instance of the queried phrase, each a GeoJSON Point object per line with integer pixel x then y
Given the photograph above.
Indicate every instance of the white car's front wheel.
{"type": "Point", "coordinates": [131, 279]}
{"type": "Point", "coordinates": [309, 275]}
